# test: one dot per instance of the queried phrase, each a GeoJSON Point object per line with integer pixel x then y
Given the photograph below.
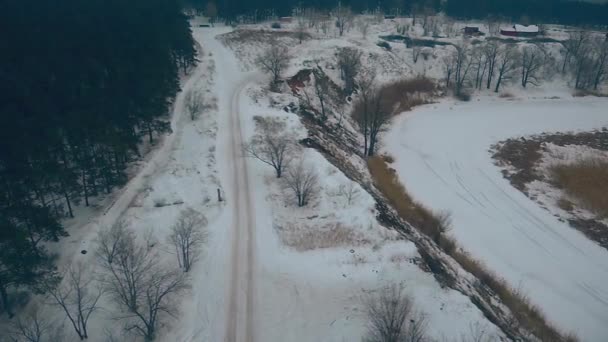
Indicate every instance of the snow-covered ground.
{"type": "Point", "coordinates": [317, 295]}
{"type": "Point", "coordinates": [264, 274]}
{"type": "Point", "coordinates": [442, 156]}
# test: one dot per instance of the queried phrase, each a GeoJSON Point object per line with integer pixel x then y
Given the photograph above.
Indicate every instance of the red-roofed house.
{"type": "Point", "coordinates": [520, 31]}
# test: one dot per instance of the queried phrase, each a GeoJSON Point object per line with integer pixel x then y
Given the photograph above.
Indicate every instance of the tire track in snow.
{"type": "Point", "coordinates": [239, 326]}
{"type": "Point", "coordinates": [525, 214]}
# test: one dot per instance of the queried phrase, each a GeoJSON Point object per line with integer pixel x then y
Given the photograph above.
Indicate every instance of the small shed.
{"type": "Point", "coordinates": [471, 30]}
{"type": "Point", "coordinates": [520, 31]}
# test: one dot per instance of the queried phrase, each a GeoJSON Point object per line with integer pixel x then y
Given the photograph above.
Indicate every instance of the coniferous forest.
{"type": "Point", "coordinates": [82, 84]}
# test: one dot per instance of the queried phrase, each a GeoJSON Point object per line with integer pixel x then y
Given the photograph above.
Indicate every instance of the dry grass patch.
{"type": "Point", "coordinates": [310, 238]}
{"type": "Point", "coordinates": [385, 179]}
{"type": "Point", "coordinates": [586, 92]}
{"type": "Point", "coordinates": [405, 94]}
{"type": "Point", "coordinates": [260, 36]}
{"type": "Point", "coordinates": [564, 204]}
{"type": "Point", "coordinates": [587, 181]}
{"type": "Point", "coordinates": [434, 225]}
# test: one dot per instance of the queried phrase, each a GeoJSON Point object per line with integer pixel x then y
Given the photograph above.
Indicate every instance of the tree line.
{"type": "Point", "coordinates": [82, 83]}
{"type": "Point", "coordinates": [583, 59]}
{"type": "Point", "coordinates": [547, 11]}
{"type": "Point", "coordinates": [544, 11]}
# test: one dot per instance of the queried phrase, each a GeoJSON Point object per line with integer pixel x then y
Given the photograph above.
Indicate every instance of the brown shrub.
{"type": "Point", "coordinates": [405, 94]}
{"type": "Point", "coordinates": [388, 158]}
{"type": "Point", "coordinates": [587, 181]}
{"type": "Point", "coordinates": [260, 36]}
{"type": "Point", "coordinates": [564, 204]}
{"type": "Point", "coordinates": [523, 155]}
{"type": "Point", "coordinates": [434, 225]}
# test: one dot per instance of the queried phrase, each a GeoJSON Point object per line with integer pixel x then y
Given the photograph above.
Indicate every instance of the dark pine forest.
{"type": "Point", "coordinates": [82, 83]}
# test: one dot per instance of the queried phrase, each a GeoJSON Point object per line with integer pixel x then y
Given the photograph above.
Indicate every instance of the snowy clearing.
{"type": "Point", "coordinates": [442, 156]}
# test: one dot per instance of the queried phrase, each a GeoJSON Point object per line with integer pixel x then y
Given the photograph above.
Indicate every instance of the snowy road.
{"type": "Point", "coordinates": [240, 313]}
{"type": "Point", "coordinates": [442, 157]}
{"type": "Point", "coordinates": [235, 178]}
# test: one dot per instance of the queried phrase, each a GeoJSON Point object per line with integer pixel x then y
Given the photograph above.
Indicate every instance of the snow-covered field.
{"type": "Point", "coordinates": [317, 295]}
{"type": "Point", "coordinates": [442, 156]}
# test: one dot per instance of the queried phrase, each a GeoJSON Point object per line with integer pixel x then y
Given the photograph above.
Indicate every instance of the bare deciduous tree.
{"type": "Point", "coordinates": [193, 104]}
{"type": "Point", "coordinates": [506, 63]}
{"type": "Point", "coordinates": [370, 112]}
{"type": "Point", "coordinates": [380, 115]}
{"type": "Point", "coordinates": [313, 16]}
{"type": "Point", "coordinates": [532, 60]}
{"type": "Point", "coordinates": [344, 17]}
{"type": "Point", "coordinates": [480, 63]}
{"type": "Point", "coordinates": [572, 46]}
{"type": "Point", "coordinates": [349, 192]}
{"type": "Point", "coordinates": [363, 26]}
{"type": "Point", "coordinates": [491, 50]}
{"type": "Point", "coordinates": [188, 235]}
{"type": "Point", "coordinates": [273, 61]}
{"type": "Point", "coordinates": [323, 93]}
{"type": "Point", "coordinates": [416, 50]}
{"type": "Point", "coordinates": [155, 299]}
{"type": "Point", "coordinates": [139, 285]}
{"type": "Point", "coordinates": [109, 241]}
{"type": "Point", "coordinates": [448, 68]}
{"type": "Point", "coordinates": [302, 180]}
{"type": "Point", "coordinates": [271, 145]}
{"type": "Point", "coordinates": [301, 28]}
{"type": "Point", "coordinates": [462, 66]}
{"type": "Point", "coordinates": [30, 327]}
{"type": "Point", "coordinates": [77, 298]}
{"type": "Point", "coordinates": [601, 62]}
{"type": "Point", "coordinates": [392, 317]}
{"type": "Point", "coordinates": [349, 63]}
{"type": "Point", "coordinates": [582, 65]}
{"type": "Point", "coordinates": [127, 267]}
